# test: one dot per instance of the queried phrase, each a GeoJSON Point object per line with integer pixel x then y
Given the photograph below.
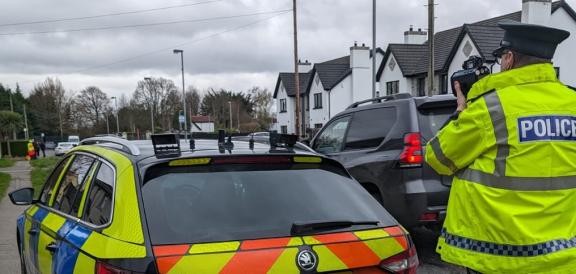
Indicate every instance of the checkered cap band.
{"type": "Point", "coordinates": [508, 250]}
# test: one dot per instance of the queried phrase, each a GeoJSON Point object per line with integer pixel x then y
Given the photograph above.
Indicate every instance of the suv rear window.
{"type": "Point", "coordinates": [246, 201]}
{"type": "Point", "coordinates": [432, 119]}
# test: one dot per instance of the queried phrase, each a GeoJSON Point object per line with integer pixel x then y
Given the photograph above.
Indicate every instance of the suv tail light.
{"type": "Point", "coordinates": [411, 156]}
{"type": "Point", "coordinates": [403, 263]}
{"type": "Point", "coordinates": [102, 268]}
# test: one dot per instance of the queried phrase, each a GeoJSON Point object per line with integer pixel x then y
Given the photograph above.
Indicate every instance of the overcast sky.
{"type": "Point", "coordinates": [232, 53]}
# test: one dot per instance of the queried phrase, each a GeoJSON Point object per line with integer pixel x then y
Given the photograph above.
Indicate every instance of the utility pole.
{"type": "Point", "coordinates": [148, 82]}
{"type": "Point", "coordinates": [117, 113]}
{"type": "Point", "coordinates": [26, 129]}
{"type": "Point", "coordinates": [296, 73]}
{"type": "Point", "coordinates": [373, 48]}
{"type": "Point", "coordinates": [12, 109]}
{"type": "Point", "coordinates": [431, 47]}
{"type": "Point", "coordinates": [181, 52]}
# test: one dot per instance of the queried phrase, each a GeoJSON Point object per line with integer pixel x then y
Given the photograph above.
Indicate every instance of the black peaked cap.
{"type": "Point", "coordinates": [534, 40]}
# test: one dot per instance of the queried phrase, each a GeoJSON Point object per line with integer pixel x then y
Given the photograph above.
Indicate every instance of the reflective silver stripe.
{"type": "Point", "coordinates": [543, 248]}
{"type": "Point", "coordinates": [517, 183]}
{"type": "Point", "coordinates": [440, 155]}
{"type": "Point", "coordinates": [500, 132]}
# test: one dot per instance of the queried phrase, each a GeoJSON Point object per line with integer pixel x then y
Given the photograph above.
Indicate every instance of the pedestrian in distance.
{"type": "Point", "coordinates": [36, 149]}
{"type": "Point", "coordinates": [512, 152]}
{"type": "Point", "coordinates": [43, 148]}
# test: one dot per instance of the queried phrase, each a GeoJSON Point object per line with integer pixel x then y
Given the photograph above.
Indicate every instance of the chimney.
{"type": "Point", "coordinates": [415, 37]}
{"type": "Point", "coordinates": [536, 11]}
{"type": "Point", "coordinates": [304, 67]}
{"type": "Point", "coordinates": [361, 73]}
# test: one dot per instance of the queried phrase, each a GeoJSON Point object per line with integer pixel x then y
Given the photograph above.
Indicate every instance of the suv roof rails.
{"type": "Point", "coordinates": [127, 146]}
{"type": "Point", "coordinates": [382, 99]}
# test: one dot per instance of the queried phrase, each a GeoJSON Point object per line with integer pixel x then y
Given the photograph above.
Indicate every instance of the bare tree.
{"type": "Point", "coordinates": [160, 96]}
{"type": "Point", "coordinates": [92, 103]}
{"type": "Point", "coordinates": [193, 100]}
{"type": "Point", "coordinates": [262, 106]}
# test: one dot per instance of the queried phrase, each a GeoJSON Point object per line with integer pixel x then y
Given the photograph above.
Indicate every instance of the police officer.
{"type": "Point", "coordinates": [512, 151]}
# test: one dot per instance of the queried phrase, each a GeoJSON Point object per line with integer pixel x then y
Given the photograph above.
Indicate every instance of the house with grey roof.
{"type": "Point", "coordinates": [327, 88]}
{"type": "Point", "coordinates": [405, 66]}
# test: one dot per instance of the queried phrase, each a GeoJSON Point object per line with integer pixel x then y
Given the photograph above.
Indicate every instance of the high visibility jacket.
{"type": "Point", "coordinates": [512, 206]}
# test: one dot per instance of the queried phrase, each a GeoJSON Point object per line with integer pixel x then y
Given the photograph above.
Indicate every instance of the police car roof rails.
{"type": "Point", "coordinates": [127, 146]}
{"type": "Point", "coordinates": [381, 99]}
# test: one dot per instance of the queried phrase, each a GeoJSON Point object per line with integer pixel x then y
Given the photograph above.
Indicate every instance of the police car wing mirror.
{"type": "Point", "coordinates": [23, 196]}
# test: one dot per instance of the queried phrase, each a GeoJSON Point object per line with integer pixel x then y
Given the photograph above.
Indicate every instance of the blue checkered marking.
{"type": "Point", "coordinates": [75, 236]}
{"type": "Point", "coordinates": [508, 250]}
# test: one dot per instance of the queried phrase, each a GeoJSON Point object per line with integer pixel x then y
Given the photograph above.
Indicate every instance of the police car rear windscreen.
{"type": "Point", "coordinates": [215, 203]}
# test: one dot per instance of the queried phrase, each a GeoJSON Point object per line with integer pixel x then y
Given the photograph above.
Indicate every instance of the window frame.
{"type": "Point", "coordinates": [66, 162]}
{"type": "Point", "coordinates": [98, 161]}
{"type": "Point", "coordinates": [101, 162]}
{"type": "Point", "coordinates": [83, 180]}
{"type": "Point", "coordinates": [283, 106]}
{"type": "Point", "coordinates": [421, 86]}
{"type": "Point", "coordinates": [318, 100]}
{"type": "Point", "coordinates": [392, 87]}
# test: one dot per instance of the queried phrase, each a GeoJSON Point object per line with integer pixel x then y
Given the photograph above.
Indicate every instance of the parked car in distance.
{"type": "Point", "coordinates": [116, 206]}
{"type": "Point", "coordinates": [63, 147]}
{"type": "Point", "coordinates": [381, 143]}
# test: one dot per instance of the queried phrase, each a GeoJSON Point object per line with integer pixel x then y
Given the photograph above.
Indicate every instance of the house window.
{"type": "Point", "coordinates": [283, 105]}
{"type": "Point", "coordinates": [392, 87]}
{"type": "Point", "coordinates": [421, 86]}
{"type": "Point", "coordinates": [317, 126]}
{"type": "Point", "coordinates": [284, 129]}
{"type": "Point", "coordinates": [317, 100]}
{"type": "Point", "coordinates": [444, 84]}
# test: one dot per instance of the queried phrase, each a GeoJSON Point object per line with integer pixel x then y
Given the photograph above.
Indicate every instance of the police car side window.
{"type": "Point", "coordinates": [98, 206]}
{"type": "Point", "coordinates": [46, 193]}
{"type": "Point", "coordinates": [72, 182]}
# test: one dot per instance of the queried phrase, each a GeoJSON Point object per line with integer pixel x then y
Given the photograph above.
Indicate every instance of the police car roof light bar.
{"type": "Point", "coordinates": [127, 146]}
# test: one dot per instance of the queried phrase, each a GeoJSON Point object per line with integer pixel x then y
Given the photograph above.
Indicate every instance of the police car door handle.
{"type": "Point", "coordinates": [52, 247]}
{"type": "Point", "coordinates": [34, 231]}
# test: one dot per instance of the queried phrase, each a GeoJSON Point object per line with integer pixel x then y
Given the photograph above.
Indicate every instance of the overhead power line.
{"type": "Point", "coordinates": [135, 57]}
{"type": "Point", "coordinates": [143, 25]}
{"type": "Point", "coordinates": [106, 15]}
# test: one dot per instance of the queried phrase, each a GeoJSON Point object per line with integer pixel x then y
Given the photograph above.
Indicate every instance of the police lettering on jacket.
{"type": "Point", "coordinates": [546, 128]}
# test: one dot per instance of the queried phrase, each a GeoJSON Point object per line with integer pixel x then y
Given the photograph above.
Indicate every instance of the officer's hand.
{"type": "Point", "coordinates": [460, 98]}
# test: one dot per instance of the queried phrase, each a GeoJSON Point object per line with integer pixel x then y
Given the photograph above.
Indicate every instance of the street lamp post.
{"type": "Point", "coordinates": [181, 52]}
{"type": "Point", "coordinates": [230, 105]}
{"type": "Point", "coordinates": [148, 79]}
{"type": "Point", "coordinates": [117, 113]}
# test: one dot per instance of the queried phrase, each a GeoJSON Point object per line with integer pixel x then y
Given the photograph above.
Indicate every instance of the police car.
{"type": "Point", "coordinates": [116, 206]}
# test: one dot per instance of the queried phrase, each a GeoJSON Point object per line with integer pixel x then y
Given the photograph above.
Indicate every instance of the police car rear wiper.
{"type": "Point", "coordinates": [299, 228]}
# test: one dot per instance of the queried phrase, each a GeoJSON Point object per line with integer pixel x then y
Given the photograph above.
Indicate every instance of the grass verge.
{"type": "Point", "coordinates": [41, 169]}
{"type": "Point", "coordinates": [6, 162]}
{"type": "Point", "coordinates": [4, 183]}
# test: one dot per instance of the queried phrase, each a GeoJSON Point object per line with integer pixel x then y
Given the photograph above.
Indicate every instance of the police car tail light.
{"type": "Point", "coordinates": [404, 263]}
{"type": "Point", "coordinates": [411, 156]}
{"type": "Point", "coordinates": [102, 268]}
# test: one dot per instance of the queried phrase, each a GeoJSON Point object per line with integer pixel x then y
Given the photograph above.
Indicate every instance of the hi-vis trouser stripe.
{"type": "Point", "coordinates": [506, 249]}
{"type": "Point", "coordinates": [338, 251]}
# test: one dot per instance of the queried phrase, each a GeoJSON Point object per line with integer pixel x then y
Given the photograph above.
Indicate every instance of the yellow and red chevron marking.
{"type": "Point", "coordinates": [350, 252]}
